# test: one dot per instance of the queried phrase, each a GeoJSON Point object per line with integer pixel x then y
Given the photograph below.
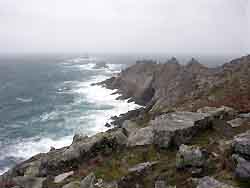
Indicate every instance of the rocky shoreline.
{"type": "Point", "coordinates": [194, 131]}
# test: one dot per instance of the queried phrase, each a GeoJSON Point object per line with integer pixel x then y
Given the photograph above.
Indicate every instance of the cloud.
{"type": "Point", "coordinates": [155, 26]}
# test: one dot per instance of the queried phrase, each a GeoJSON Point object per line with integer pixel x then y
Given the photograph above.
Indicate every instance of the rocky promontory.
{"type": "Point", "coordinates": [194, 132]}
{"type": "Point", "coordinates": [188, 87]}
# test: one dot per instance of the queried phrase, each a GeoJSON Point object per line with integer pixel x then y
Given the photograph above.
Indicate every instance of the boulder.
{"type": "Point", "coordinates": [209, 182]}
{"type": "Point", "coordinates": [236, 122]}
{"type": "Point", "coordinates": [119, 136]}
{"type": "Point", "coordinates": [63, 176]}
{"type": "Point", "coordinates": [242, 170]}
{"type": "Point", "coordinates": [223, 112]}
{"type": "Point", "coordinates": [141, 137]}
{"type": "Point", "coordinates": [178, 127]}
{"type": "Point", "coordinates": [73, 184]}
{"type": "Point", "coordinates": [173, 128]}
{"type": "Point", "coordinates": [33, 169]}
{"type": "Point", "coordinates": [241, 144]}
{"type": "Point", "coordinates": [190, 156]}
{"type": "Point", "coordinates": [82, 147]}
{"type": "Point", "coordinates": [245, 115]}
{"type": "Point", "coordinates": [139, 168]}
{"type": "Point", "coordinates": [28, 182]}
{"type": "Point", "coordinates": [88, 181]}
{"type": "Point", "coordinates": [129, 126]}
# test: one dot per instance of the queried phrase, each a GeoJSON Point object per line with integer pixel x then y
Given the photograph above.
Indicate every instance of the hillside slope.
{"type": "Point", "coordinates": [186, 86]}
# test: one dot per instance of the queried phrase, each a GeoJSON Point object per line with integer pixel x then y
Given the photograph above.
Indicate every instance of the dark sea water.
{"type": "Point", "coordinates": [44, 101]}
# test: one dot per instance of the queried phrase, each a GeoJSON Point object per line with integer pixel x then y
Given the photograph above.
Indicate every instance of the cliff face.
{"type": "Point", "coordinates": [185, 86]}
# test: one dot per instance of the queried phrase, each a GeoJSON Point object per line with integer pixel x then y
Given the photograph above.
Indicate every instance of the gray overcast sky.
{"type": "Point", "coordinates": [155, 26]}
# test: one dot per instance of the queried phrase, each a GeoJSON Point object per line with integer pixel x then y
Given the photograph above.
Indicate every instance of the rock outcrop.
{"type": "Point", "coordinates": [190, 156]}
{"type": "Point", "coordinates": [187, 86]}
{"type": "Point", "coordinates": [209, 182]}
{"type": "Point", "coordinates": [241, 148]}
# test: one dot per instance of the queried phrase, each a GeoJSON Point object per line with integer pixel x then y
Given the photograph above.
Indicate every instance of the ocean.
{"type": "Point", "coordinates": [44, 101]}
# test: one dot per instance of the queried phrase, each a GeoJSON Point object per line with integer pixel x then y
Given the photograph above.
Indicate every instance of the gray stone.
{"type": "Point", "coordinates": [190, 156]}
{"type": "Point", "coordinates": [236, 122]}
{"type": "Point", "coordinates": [73, 184]}
{"type": "Point", "coordinates": [119, 136]}
{"type": "Point", "coordinates": [241, 144]}
{"type": "Point", "coordinates": [242, 170]}
{"type": "Point", "coordinates": [63, 176]}
{"type": "Point", "coordinates": [178, 127]}
{"type": "Point", "coordinates": [33, 169]}
{"type": "Point", "coordinates": [221, 113]}
{"type": "Point", "coordinates": [141, 137]}
{"type": "Point", "coordinates": [238, 159]}
{"type": "Point", "coordinates": [89, 181]}
{"type": "Point", "coordinates": [172, 128]}
{"type": "Point", "coordinates": [142, 166]}
{"type": "Point", "coordinates": [245, 115]}
{"type": "Point", "coordinates": [209, 182]}
{"type": "Point", "coordinates": [129, 126]}
{"type": "Point", "coordinates": [28, 182]}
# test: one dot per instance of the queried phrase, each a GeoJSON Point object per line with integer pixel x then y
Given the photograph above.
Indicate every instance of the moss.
{"type": "Point", "coordinates": [217, 92]}
{"type": "Point", "coordinates": [244, 184]}
{"type": "Point", "coordinates": [118, 164]}
{"type": "Point", "coordinates": [110, 170]}
{"type": "Point", "coordinates": [203, 138]}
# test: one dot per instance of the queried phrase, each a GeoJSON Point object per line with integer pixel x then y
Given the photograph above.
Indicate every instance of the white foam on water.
{"type": "Point", "coordinates": [98, 95]}
{"type": "Point", "coordinates": [96, 118]}
{"type": "Point", "coordinates": [24, 100]}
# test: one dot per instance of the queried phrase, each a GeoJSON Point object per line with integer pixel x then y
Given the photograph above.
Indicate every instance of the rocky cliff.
{"type": "Point", "coordinates": [194, 132]}
{"type": "Point", "coordinates": [187, 86]}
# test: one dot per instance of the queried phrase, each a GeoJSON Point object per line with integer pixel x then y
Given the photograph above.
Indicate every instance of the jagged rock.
{"type": "Point", "coordinates": [223, 112]}
{"type": "Point", "coordinates": [141, 137]}
{"type": "Point", "coordinates": [108, 125]}
{"type": "Point", "coordinates": [119, 137]}
{"type": "Point", "coordinates": [79, 137]}
{"type": "Point", "coordinates": [28, 182]}
{"type": "Point", "coordinates": [33, 169]}
{"type": "Point", "coordinates": [63, 176]}
{"type": "Point", "coordinates": [173, 128]}
{"type": "Point", "coordinates": [242, 170]}
{"type": "Point", "coordinates": [139, 168]}
{"type": "Point", "coordinates": [178, 127]}
{"type": "Point", "coordinates": [238, 159]}
{"type": "Point", "coordinates": [190, 156]}
{"type": "Point", "coordinates": [129, 126]}
{"type": "Point", "coordinates": [89, 181]}
{"type": "Point", "coordinates": [52, 148]}
{"type": "Point", "coordinates": [209, 182]}
{"type": "Point", "coordinates": [245, 115]}
{"type": "Point", "coordinates": [241, 144]}
{"type": "Point", "coordinates": [82, 147]}
{"type": "Point", "coordinates": [236, 122]}
{"type": "Point", "coordinates": [189, 86]}
{"type": "Point", "coordinates": [74, 184]}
